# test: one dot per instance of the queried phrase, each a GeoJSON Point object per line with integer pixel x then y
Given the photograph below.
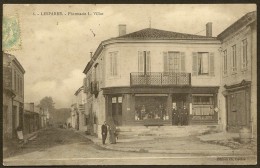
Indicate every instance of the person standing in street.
{"type": "Point", "coordinates": [175, 116]}
{"type": "Point", "coordinates": [104, 132]}
{"type": "Point", "coordinates": [185, 116]}
{"type": "Point", "coordinates": [112, 133]}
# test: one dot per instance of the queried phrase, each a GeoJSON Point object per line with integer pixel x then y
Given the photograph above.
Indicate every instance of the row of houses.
{"type": "Point", "coordinates": [18, 115]}
{"type": "Point", "coordinates": [148, 73]}
{"type": "Point", "coordinates": [79, 118]}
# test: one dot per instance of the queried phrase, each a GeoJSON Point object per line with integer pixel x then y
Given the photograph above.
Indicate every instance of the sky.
{"type": "Point", "coordinates": [56, 49]}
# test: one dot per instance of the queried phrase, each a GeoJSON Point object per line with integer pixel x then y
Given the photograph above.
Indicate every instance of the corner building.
{"type": "Point", "coordinates": [239, 74]}
{"type": "Point", "coordinates": [139, 78]}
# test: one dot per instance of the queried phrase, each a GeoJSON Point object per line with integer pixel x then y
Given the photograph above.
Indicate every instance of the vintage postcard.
{"type": "Point", "coordinates": [121, 84]}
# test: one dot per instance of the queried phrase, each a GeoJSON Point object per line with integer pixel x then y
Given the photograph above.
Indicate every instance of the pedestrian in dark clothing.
{"type": "Point", "coordinates": [104, 132]}
{"type": "Point", "coordinates": [185, 116]}
{"type": "Point", "coordinates": [175, 116]}
{"type": "Point", "coordinates": [112, 133]}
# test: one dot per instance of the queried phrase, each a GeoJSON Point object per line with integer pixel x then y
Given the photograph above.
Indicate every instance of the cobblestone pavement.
{"type": "Point", "coordinates": [55, 146]}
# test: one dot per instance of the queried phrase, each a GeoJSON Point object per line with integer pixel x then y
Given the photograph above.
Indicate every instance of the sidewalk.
{"type": "Point", "coordinates": [170, 145]}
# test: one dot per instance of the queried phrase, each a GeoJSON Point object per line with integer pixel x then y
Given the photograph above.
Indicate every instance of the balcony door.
{"type": "Point", "coordinates": [174, 61]}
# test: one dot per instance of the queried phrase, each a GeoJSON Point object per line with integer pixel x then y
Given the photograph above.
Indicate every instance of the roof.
{"type": "Point", "coordinates": [80, 89]}
{"type": "Point", "coordinates": [156, 34]}
{"type": "Point", "coordinates": [243, 21]}
{"type": "Point", "coordinates": [13, 58]}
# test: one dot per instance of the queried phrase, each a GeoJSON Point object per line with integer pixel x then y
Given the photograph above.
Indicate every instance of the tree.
{"type": "Point", "coordinates": [47, 104]}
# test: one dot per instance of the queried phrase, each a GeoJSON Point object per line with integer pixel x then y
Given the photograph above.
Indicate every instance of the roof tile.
{"type": "Point", "coordinates": [156, 34]}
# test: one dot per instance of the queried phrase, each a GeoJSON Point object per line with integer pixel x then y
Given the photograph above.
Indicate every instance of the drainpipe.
{"type": "Point", "coordinates": [219, 102]}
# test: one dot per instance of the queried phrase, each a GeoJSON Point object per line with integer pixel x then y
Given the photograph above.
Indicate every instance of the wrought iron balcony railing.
{"type": "Point", "coordinates": [160, 79]}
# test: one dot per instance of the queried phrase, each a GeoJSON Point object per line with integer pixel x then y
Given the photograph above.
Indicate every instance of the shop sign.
{"type": "Point", "coordinates": [119, 99]}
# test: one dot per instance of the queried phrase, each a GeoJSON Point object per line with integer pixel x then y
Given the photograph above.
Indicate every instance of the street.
{"type": "Point", "coordinates": [55, 146]}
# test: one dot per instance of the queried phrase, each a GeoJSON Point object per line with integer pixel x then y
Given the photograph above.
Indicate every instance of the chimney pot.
{"type": "Point", "coordinates": [209, 29]}
{"type": "Point", "coordinates": [122, 29]}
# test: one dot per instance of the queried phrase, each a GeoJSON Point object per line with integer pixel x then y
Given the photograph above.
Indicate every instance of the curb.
{"type": "Point", "coordinates": [141, 150]}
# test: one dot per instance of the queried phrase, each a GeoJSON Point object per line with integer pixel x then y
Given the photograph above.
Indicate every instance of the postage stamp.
{"type": "Point", "coordinates": [11, 33]}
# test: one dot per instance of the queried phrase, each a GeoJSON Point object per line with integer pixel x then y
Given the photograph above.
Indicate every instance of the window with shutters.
{"type": "Point", "coordinates": [244, 60]}
{"type": "Point", "coordinates": [174, 61]}
{"type": "Point", "coordinates": [203, 64]}
{"type": "Point", "coordinates": [113, 63]}
{"type": "Point", "coordinates": [225, 62]}
{"type": "Point", "coordinates": [20, 85]}
{"type": "Point", "coordinates": [144, 61]}
{"type": "Point", "coordinates": [234, 58]}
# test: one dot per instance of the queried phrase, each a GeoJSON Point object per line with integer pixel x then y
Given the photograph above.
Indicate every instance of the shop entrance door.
{"type": "Point", "coordinates": [117, 110]}
{"type": "Point", "coordinates": [178, 118]}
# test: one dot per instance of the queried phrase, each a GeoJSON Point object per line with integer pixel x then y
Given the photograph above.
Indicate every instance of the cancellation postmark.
{"type": "Point", "coordinates": [11, 33]}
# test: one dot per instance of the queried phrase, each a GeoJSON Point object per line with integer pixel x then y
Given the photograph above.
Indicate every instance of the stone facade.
{"type": "Point", "coordinates": [13, 95]}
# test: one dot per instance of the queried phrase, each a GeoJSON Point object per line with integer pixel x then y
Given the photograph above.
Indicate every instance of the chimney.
{"type": "Point", "coordinates": [91, 53]}
{"type": "Point", "coordinates": [122, 29]}
{"type": "Point", "coordinates": [209, 29]}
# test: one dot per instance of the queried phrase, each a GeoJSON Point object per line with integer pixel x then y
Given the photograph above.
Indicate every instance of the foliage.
{"type": "Point", "coordinates": [47, 103]}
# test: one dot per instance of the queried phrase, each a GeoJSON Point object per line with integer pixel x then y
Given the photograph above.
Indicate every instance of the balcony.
{"type": "Point", "coordinates": [94, 87]}
{"type": "Point", "coordinates": [160, 79]}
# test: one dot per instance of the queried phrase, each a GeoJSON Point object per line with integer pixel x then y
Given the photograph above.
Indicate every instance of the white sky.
{"type": "Point", "coordinates": [55, 49]}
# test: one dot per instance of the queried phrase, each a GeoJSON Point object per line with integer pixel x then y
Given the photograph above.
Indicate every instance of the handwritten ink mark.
{"type": "Point", "coordinates": [93, 32]}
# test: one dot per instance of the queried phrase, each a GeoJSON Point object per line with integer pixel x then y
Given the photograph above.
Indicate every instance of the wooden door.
{"type": "Point", "coordinates": [238, 114]}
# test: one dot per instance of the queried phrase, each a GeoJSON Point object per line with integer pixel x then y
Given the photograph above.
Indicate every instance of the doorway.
{"type": "Point", "coordinates": [14, 120]}
{"type": "Point", "coordinates": [178, 103]}
{"type": "Point", "coordinates": [117, 110]}
{"type": "Point", "coordinates": [238, 111]}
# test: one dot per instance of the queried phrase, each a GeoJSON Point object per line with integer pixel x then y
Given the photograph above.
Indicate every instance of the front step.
{"type": "Point", "coordinates": [127, 132]}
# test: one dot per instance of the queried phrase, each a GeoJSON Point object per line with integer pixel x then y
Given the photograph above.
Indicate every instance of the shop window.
{"type": "Point", "coordinates": [202, 105]}
{"type": "Point", "coordinates": [151, 108]}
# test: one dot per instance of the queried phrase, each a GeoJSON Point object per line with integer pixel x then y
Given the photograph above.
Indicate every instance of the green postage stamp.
{"type": "Point", "coordinates": [11, 33]}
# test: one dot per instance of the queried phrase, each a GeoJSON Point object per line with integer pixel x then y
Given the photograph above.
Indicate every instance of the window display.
{"type": "Point", "coordinates": [202, 106]}
{"type": "Point", "coordinates": [151, 108]}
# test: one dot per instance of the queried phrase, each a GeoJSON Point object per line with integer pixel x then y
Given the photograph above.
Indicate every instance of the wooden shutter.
{"type": "Point", "coordinates": [211, 64]}
{"type": "Point", "coordinates": [148, 62]}
{"type": "Point", "coordinates": [140, 61]}
{"type": "Point", "coordinates": [194, 64]}
{"type": "Point", "coordinates": [115, 64]}
{"type": "Point", "coordinates": [182, 64]}
{"type": "Point", "coordinates": [85, 85]}
{"type": "Point", "coordinates": [165, 62]}
{"type": "Point", "coordinates": [111, 64]}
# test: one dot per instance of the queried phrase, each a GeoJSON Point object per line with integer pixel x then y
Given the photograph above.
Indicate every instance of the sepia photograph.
{"type": "Point", "coordinates": [129, 84]}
